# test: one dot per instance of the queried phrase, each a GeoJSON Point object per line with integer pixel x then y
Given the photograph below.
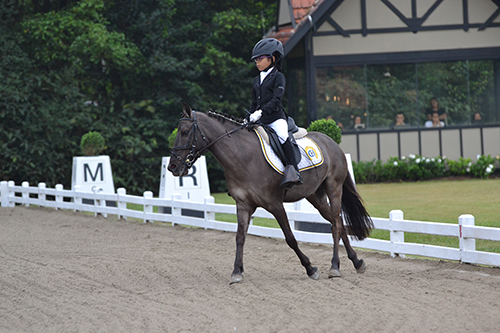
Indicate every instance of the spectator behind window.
{"type": "Point", "coordinates": [357, 123]}
{"type": "Point", "coordinates": [435, 122]}
{"type": "Point", "coordinates": [435, 108]}
{"type": "Point", "coordinates": [478, 119]}
{"type": "Point", "coordinates": [400, 120]}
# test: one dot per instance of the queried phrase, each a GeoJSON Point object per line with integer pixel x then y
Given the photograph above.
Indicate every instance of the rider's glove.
{"type": "Point", "coordinates": [255, 116]}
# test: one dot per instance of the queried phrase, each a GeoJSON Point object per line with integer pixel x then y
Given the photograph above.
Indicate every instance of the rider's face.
{"type": "Point", "coordinates": [262, 62]}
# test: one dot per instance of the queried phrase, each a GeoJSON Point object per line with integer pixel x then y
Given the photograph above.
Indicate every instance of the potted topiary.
{"type": "Point", "coordinates": [328, 127]}
{"type": "Point", "coordinates": [92, 143]}
{"type": "Point", "coordinates": [92, 172]}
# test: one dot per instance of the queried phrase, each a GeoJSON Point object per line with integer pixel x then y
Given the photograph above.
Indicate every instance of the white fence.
{"type": "Point", "coordinates": [465, 231]}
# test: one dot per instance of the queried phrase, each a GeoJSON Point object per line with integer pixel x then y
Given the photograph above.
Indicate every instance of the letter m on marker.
{"type": "Point", "coordinates": [98, 170]}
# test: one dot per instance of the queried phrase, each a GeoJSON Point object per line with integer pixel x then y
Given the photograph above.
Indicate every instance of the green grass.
{"type": "Point", "coordinates": [433, 201]}
{"type": "Point", "coordinates": [437, 201]}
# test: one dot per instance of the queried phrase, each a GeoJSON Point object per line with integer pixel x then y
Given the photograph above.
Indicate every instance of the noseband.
{"type": "Point", "coordinates": [194, 154]}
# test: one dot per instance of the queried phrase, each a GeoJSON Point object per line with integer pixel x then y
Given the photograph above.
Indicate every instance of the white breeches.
{"type": "Point", "coordinates": [280, 126]}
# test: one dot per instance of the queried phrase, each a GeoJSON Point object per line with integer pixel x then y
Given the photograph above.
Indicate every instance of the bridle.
{"type": "Point", "coordinates": [194, 154]}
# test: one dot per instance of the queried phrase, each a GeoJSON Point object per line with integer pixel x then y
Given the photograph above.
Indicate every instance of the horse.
{"type": "Point", "coordinates": [253, 183]}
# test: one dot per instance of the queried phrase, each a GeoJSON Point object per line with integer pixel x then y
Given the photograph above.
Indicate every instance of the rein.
{"type": "Point", "coordinates": [193, 154]}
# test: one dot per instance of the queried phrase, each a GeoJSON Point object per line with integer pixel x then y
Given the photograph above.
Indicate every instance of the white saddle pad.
{"type": "Point", "coordinates": [311, 155]}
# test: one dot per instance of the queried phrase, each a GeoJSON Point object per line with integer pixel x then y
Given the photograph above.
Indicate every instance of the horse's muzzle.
{"type": "Point", "coordinates": [173, 168]}
{"type": "Point", "coordinates": [177, 170]}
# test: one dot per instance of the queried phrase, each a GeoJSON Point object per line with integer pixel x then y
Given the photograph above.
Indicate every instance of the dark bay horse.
{"type": "Point", "coordinates": [253, 183]}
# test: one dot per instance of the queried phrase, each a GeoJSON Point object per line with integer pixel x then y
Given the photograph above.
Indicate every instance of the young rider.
{"type": "Point", "coordinates": [268, 90]}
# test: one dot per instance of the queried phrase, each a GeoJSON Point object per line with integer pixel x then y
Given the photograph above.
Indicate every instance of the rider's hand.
{"type": "Point", "coordinates": [255, 116]}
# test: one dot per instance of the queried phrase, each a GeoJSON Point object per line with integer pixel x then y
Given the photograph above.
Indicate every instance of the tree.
{"type": "Point", "coordinates": [121, 68]}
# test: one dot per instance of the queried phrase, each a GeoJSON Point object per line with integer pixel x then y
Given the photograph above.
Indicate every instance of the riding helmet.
{"type": "Point", "coordinates": [268, 46]}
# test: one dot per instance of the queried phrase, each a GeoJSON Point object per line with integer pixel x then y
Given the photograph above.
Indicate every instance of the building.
{"type": "Point", "coordinates": [375, 58]}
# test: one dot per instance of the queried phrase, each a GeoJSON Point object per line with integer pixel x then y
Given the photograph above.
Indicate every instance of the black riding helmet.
{"type": "Point", "coordinates": [268, 46]}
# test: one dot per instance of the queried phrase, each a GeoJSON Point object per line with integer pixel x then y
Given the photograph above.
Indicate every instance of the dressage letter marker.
{"type": "Point", "coordinates": [194, 186]}
{"type": "Point", "coordinates": [93, 174]}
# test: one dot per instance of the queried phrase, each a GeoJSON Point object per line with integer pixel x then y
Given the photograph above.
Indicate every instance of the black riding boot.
{"type": "Point", "coordinates": [291, 175]}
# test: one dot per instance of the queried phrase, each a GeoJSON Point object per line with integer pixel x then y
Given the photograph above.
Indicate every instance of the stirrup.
{"type": "Point", "coordinates": [290, 177]}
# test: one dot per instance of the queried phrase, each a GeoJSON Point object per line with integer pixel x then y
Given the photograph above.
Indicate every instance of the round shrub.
{"type": "Point", "coordinates": [171, 138]}
{"type": "Point", "coordinates": [92, 143]}
{"type": "Point", "coordinates": [328, 127]}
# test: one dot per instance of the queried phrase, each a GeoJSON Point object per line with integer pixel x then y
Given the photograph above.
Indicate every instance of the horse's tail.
{"type": "Point", "coordinates": [354, 212]}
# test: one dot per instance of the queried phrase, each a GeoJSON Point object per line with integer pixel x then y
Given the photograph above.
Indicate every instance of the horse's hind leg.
{"type": "Point", "coordinates": [330, 212]}
{"type": "Point", "coordinates": [359, 264]}
{"type": "Point", "coordinates": [280, 215]}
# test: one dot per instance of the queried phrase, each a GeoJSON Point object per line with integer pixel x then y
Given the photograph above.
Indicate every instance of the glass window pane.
{"type": "Point", "coordinates": [341, 94]}
{"type": "Point", "coordinates": [482, 91]}
{"type": "Point", "coordinates": [445, 82]}
{"type": "Point", "coordinates": [391, 89]}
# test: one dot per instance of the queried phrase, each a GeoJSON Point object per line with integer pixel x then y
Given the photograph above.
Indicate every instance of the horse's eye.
{"type": "Point", "coordinates": [186, 132]}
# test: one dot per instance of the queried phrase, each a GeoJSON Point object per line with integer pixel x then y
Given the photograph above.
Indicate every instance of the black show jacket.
{"type": "Point", "coordinates": [267, 96]}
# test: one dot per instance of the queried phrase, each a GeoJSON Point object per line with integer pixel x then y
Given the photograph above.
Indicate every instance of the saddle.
{"type": "Point", "coordinates": [271, 138]}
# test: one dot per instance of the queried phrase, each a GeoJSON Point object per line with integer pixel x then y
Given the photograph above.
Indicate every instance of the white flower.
{"type": "Point", "coordinates": [478, 156]}
{"type": "Point", "coordinates": [433, 159]}
{"type": "Point", "coordinates": [439, 160]}
{"type": "Point", "coordinates": [417, 160]}
{"type": "Point", "coordinates": [470, 163]}
{"type": "Point", "coordinates": [395, 163]}
{"type": "Point", "coordinates": [468, 169]}
{"type": "Point", "coordinates": [411, 156]}
{"type": "Point", "coordinates": [488, 170]}
{"type": "Point", "coordinates": [403, 158]}
{"type": "Point", "coordinates": [427, 160]}
{"type": "Point", "coordinates": [490, 166]}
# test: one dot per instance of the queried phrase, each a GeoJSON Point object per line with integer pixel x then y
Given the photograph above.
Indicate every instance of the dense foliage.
{"type": "Point", "coordinates": [120, 68]}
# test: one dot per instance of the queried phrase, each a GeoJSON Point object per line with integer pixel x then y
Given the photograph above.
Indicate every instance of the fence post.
{"type": "Point", "coordinates": [25, 194]}
{"type": "Point", "coordinates": [396, 236]}
{"type": "Point", "coordinates": [176, 212]}
{"type": "Point", "coordinates": [41, 194]}
{"type": "Point", "coordinates": [59, 197]}
{"type": "Point", "coordinates": [122, 206]}
{"type": "Point", "coordinates": [4, 193]}
{"type": "Point", "coordinates": [99, 203]}
{"type": "Point", "coordinates": [77, 199]}
{"type": "Point", "coordinates": [466, 244]}
{"type": "Point", "coordinates": [11, 193]}
{"type": "Point", "coordinates": [209, 215]}
{"type": "Point", "coordinates": [148, 209]}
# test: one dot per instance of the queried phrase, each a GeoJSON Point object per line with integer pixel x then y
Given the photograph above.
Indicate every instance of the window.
{"type": "Point", "coordinates": [377, 92]}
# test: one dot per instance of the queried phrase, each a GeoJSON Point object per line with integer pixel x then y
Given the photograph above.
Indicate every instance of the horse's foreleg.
{"type": "Point", "coordinates": [282, 219]}
{"type": "Point", "coordinates": [244, 215]}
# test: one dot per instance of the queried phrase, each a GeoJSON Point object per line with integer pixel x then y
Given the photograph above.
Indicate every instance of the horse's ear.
{"type": "Point", "coordinates": [186, 109]}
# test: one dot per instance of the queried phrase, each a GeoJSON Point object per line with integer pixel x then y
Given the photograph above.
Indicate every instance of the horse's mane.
{"type": "Point", "coordinates": [224, 116]}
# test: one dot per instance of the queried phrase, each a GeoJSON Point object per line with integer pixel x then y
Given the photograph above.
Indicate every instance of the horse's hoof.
{"type": "Point", "coordinates": [334, 273]}
{"type": "Point", "coordinates": [362, 268]}
{"type": "Point", "coordinates": [235, 278]}
{"type": "Point", "coordinates": [315, 275]}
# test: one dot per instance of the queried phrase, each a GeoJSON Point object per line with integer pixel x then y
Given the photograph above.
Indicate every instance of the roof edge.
{"type": "Point", "coordinates": [307, 23]}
